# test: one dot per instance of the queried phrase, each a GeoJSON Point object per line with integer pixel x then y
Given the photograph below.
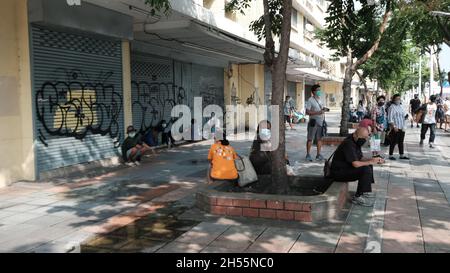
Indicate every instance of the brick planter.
{"type": "Point", "coordinates": [321, 207]}
{"type": "Point", "coordinates": [352, 125]}
{"type": "Point", "coordinates": [332, 140]}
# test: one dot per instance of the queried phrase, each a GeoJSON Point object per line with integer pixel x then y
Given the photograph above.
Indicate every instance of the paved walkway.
{"type": "Point", "coordinates": [151, 209]}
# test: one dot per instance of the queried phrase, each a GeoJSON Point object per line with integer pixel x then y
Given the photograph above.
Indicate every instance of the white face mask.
{"type": "Point", "coordinates": [265, 134]}
{"type": "Point", "coordinates": [132, 135]}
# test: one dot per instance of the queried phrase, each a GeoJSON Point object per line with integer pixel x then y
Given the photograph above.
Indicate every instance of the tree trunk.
{"type": "Point", "coordinates": [445, 31]}
{"type": "Point", "coordinates": [441, 83]}
{"type": "Point", "coordinates": [367, 99]}
{"type": "Point", "coordinates": [279, 176]}
{"type": "Point", "coordinates": [347, 89]}
{"type": "Point", "coordinates": [351, 68]}
{"type": "Point", "coordinates": [280, 183]}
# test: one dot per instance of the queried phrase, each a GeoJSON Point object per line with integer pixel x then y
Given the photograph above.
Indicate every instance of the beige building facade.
{"type": "Point", "coordinates": [70, 84]}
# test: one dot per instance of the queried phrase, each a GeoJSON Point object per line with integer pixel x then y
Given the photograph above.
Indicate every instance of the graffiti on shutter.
{"type": "Point", "coordinates": [77, 97]}
{"type": "Point", "coordinates": [79, 105]}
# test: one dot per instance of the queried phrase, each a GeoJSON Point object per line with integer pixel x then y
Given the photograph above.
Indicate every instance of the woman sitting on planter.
{"type": "Point", "coordinates": [262, 158]}
{"type": "Point", "coordinates": [222, 157]}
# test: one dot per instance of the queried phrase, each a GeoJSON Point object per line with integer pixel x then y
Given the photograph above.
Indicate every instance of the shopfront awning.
{"type": "Point", "coordinates": [190, 41]}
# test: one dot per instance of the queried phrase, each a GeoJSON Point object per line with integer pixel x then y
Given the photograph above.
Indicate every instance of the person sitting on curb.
{"type": "Point", "coordinates": [348, 165]}
{"type": "Point", "coordinates": [221, 157]}
{"type": "Point", "coordinates": [133, 148]}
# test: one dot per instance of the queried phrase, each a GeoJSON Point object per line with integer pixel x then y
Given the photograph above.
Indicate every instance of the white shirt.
{"type": "Point", "coordinates": [396, 116]}
{"type": "Point", "coordinates": [315, 105]}
{"type": "Point", "coordinates": [214, 122]}
{"type": "Point", "coordinates": [430, 115]}
{"type": "Point", "coordinates": [447, 103]}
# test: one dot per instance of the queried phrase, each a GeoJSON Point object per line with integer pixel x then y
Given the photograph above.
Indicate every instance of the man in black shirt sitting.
{"type": "Point", "coordinates": [349, 165]}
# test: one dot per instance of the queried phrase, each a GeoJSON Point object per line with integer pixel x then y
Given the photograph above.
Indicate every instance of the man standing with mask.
{"type": "Point", "coordinates": [288, 110]}
{"type": "Point", "coordinates": [349, 165]}
{"type": "Point", "coordinates": [316, 112]}
{"type": "Point", "coordinates": [397, 122]}
{"type": "Point", "coordinates": [429, 121]}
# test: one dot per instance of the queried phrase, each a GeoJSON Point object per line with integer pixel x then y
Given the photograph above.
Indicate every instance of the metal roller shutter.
{"type": "Point", "coordinates": [207, 82]}
{"type": "Point", "coordinates": [78, 98]}
{"type": "Point", "coordinates": [158, 84]}
{"type": "Point", "coordinates": [152, 90]}
{"type": "Point", "coordinates": [292, 91]}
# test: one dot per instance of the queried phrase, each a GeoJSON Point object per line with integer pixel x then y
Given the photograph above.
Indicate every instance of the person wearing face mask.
{"type": "Point", "coordinates": [414, 105]}
{"type": "Point", "coordinates": [165, 128]}
{"type": "Point", "coordinates": [260, 154]}
{"type": "Point", "coordinates": [397, 121]}
{"type": "Point", "coordinates": [349, 165]}
{"type": "Point", "coordinates": [379, 118]}
{"type": "Point", "coordinates": [133, 148]}
{"type": "Point", "coordinates": [215, 124]}
{"type": "Point", "coordinates": [288, 110]}
{"type": "Point", "coordinates": [316, 112]}
{"type": "Point", "coordinates": [429, 120]}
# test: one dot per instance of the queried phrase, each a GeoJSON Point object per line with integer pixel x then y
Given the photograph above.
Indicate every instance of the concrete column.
{"type": "Point", "coordinates": [300, 95]}
{"type": "Point", "coordinates": [17, 158]}
{"type": "Point", "coordinates": [126, 68]}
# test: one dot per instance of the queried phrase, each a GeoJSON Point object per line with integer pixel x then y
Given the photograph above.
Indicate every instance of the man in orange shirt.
{"type": "Point", "coordinates": [222, 157]}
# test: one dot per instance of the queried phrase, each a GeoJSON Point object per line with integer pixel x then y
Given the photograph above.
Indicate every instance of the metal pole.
{"type": "Point", "coordinates": [430, 91]}
{"type": "Point", "coordinates": [420, 75]}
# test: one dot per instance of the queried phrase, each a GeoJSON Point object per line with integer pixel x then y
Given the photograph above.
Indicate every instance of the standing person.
{"type": "Point", "coordinates": [397, 117]}
{"type": "Point", "coordinates": [447, 113]}
{"type": "Point", "coordinates": [349, 165]}
{"type": "Point", "coordinates": [214, 124]}
{"type": "Point", "coordinates": [388, 104]}
{"type": "Point", "coordinates": [429, 121]}
{"type": "Point", "coordinates": [316, 112]}
{"type": "Point", "coordinates": [440, 115]}
{"type": "Point", "coordinates": [288, 110]}
{"type": "Point", "coordinates": [414, 105]}
{"type": "Point", "coordinates": [361, 111]}
{"type": "Point", "coordinates": [379, 117]}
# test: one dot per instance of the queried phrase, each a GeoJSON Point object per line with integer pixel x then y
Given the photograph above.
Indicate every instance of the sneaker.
{"type": "Point", "coordinates": [361, 201]}
{"type": "Point", "coordinates": [431, 146]}
{"type": "Point", "coordinates": [418, 126]}
{"type": "Point", "coordinates": [392, 158]}
{"type": "Point", "coordinates": [130, 164]}
{"type": "Point", "coordinates": [137, 163]}
{"type": "Point", "coordinates": [320, 158]}
{"type": "Point", "coordinates": [421, 142]}
{"type": "Point", "coordinates": [412, 126]}
{"type": "Point", "coordinates": [369, 195]}
{"type": "Point", "coordinates": [309, 158]}
{"type": "Point", "coordinates": [404, 157]}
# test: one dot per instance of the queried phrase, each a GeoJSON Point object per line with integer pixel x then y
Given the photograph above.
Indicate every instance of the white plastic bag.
{"type": "Point", "coordinates": [375, 144]}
